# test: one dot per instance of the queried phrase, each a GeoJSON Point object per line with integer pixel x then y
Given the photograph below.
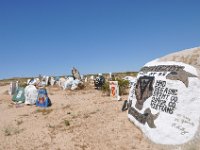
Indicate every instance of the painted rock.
{"type": "Point", "coordinates": [31, 95]}
{"type": "Point", "coordinates": [76, 74]}
{"type": "Point", "coordinates": [164, 102]}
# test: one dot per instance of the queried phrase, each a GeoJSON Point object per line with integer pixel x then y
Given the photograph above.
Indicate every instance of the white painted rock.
{"type": "Point", "coordinates": [13, 88]}
{"type": "Point", "coordinates": [52, 81]}
{"type": "Point", "coordinates": [31, 95]}
{"type": "Point", "coordinates": [165, 102]}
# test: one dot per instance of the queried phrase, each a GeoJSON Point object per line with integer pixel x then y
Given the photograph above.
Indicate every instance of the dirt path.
{"type": "Point", "coordinates": [77, 120]}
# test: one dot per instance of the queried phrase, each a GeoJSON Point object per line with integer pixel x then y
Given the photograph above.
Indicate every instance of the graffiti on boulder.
{"type": "Point", "coordinates": [164, 98]}
{"type": "Point", "coordinates": [147, 117]}
{"type": "Point", "coordinates": [143, 90]}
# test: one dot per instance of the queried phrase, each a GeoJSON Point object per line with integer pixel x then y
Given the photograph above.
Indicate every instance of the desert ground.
{"type": "Point", "coordinates": [77, 120]}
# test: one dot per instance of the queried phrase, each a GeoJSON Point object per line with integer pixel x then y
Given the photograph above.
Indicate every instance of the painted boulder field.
{"type": "Point", "coordinates": [165, 102]}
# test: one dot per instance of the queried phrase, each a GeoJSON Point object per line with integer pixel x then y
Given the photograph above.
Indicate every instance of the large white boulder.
{"type": "Point", "coordinates": [68, 82]}
{"type": "Point", "coordinates": [31, 95]}
{"type": "Point", "coordinates": [165, 102]}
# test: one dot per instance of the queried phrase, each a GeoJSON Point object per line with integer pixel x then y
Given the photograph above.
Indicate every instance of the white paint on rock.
{"type": "Point", "coordinates": [180, 126]}
{"type": "Point", "coordinates": [31, 95]}
{"type": "Point", "coordinates": [187, 68]}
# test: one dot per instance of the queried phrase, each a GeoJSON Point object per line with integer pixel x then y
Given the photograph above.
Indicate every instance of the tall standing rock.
{"type": "Point", "coordinates": [76, 74]}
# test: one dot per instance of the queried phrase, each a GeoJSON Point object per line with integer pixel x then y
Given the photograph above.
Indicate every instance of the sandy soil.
{"type": "Point", "coordinates": [77, 120]}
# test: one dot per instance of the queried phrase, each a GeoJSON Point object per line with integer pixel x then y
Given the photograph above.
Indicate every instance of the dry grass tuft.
{"type": "Point", "coordinates": [66, 107]}
{"type": "Point", "coordinates": [10, 130]}
{"type": "Point", "coordinates": [66, 123]}
{"type": "Point", "coordinates": [7, 131]}
{"type": "Point", "coordinates": [44, 111]}
{"type": "Point", "coordinates": [19, 122]}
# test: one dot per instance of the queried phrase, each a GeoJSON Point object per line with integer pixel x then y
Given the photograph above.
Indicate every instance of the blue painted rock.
{"type": "Point", "coordinates": [43, 99]}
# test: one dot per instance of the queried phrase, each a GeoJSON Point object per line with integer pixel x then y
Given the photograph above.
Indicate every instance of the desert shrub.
{"type": "Point", "coordinates": [130, 73]}
{"type": "Point", "coordinates": [22, 84]}
{"type": "Point", "coordinates": [81, 86]}
{"type": "Point", "coordinates": [7, 132]}
{"type": "Point", "coordinates": [123, 86]}
{"type": "Point", "coordinates": [43, 111]}
{"type": "Point", "coordinates": [66, 123]}
{"type": "Point", "coordinates": [105, 88]}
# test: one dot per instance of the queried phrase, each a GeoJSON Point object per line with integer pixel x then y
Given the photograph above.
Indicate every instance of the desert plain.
{"type": "Point", "coordinates": [77, 120]}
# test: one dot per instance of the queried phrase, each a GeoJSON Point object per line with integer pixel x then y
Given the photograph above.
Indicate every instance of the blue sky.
{"type": "Point", "coordinates": [49, 37]}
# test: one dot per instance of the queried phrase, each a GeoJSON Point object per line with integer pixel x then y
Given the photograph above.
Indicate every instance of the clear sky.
{"type": "Point", "coordinates": [49, 37]}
